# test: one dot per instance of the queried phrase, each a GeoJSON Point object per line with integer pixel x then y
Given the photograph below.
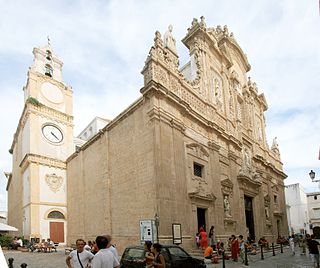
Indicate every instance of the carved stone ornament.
{"type": "Point", "coordinates": [226, 186]}
{"type": "Point", "coordinates": [54, 182]}
{"type": "Point", "coordinates": [198, 151]}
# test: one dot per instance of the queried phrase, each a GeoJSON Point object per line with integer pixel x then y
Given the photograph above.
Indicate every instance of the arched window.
{"type": "Point", "coordinates": [55, 215]}
{"type": "Point", "coordinates": [48, 70]}
{"type": "Point", "coordinates": [48, 55]}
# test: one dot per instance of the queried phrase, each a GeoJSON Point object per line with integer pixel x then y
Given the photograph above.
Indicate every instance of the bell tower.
{"type": "Point", "coordinates": [37, 193]}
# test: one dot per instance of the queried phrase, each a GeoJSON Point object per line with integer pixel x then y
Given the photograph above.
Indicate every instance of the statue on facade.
{"type": "Point", "coordinates": [226, 205]}
{"type": "Point", "coordinates": [266, 211]}
{"type": "Point", "coordinates": [218, 93]}
{"type": "Point", "coordinates": [169, 40]}
{"type": "Point", "coordinates": [202, 22]}
{"type": "Point", "coordinates": [275, 144]}
{"type": "Point", "coordinates": [247, 160]}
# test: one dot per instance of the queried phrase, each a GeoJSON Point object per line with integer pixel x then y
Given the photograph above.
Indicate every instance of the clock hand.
{"type": "Point", "coordinates": [54, 135]}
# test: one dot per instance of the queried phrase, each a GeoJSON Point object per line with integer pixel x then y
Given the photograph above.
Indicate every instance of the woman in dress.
{"type": "Point", "coordinates": [203, 238]}
{"type": "Point", "coordinates": [234, 248]}
{"type": "Point", "coordinates": [158, 260]}
{"type": "Point", "coordinates": [212, 237]}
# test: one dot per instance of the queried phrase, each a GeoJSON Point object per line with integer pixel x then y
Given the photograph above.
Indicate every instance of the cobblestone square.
{"type": "Point", "coordinates": [57, 260]}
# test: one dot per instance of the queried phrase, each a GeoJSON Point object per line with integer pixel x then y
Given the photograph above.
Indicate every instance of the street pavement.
{"type": "Point", "coordinates": [280, 260]}
{"type": "Point", "coordinates": [57, 260]}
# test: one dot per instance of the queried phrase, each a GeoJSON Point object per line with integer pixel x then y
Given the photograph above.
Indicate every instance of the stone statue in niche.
{"type": "Point", "coordinates": [266, 211]}
{"type": "Point", "coordinates": [218, 93]}
{"type": "Point", "coordinates": [169, 40]}
{"type": "Point", "coordinates": [226, 205]}
{"type": "Point", "coordinates": [247, 160]}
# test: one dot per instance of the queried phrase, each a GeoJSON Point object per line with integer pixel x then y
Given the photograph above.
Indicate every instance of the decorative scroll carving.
{"type": "Point", "coordinates": [198, 151]}
{"type": "Point", "coordinates": [226, 186]}
{"type": "Point", "coordinates": [54, 182]}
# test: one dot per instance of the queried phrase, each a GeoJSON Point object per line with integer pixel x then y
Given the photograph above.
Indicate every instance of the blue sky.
{"type": "Point", "coordinates": [104, 44]}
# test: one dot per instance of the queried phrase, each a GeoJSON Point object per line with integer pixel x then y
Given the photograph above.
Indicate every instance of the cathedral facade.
{"type": "Point", "coordinates": [191, 151]}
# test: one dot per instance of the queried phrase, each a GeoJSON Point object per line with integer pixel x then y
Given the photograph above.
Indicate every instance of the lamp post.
{"type": "Point", "coordinates": [312, 175]}
{"type": "Point", "coordinates": [157, 221]}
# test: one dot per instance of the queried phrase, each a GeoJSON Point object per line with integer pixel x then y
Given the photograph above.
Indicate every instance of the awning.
{"type": "Point", "coordinates": [7, 228]}
{"type": "Point", "coordinates": [3, 262]}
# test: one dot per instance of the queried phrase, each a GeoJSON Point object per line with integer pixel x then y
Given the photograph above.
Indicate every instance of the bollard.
{"type": "Point", "coordinates": [281, 247]}
{"type": "Point", "coordinates": [10, 260]}
{"type": "Point", "coordinates": [273, 253]}
{"type": "Point", "coordinates": [262, 258]}
{"type": "Point", "coordinates": [23, 265]}
{"type": "Point", "coordinates": [223, 260]}
{"type": "Point", "coordinates": [245, 256]}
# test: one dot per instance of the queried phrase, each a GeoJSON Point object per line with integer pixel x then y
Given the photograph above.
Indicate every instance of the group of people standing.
{"type": "Point", "coordinates": [236, 245]}
{"type": "Point", "coordinates": [306, 242]}
{"type": "Point", "coordinates": [202, 238]}
{"type": "Point", "coordinates": [101, 254]}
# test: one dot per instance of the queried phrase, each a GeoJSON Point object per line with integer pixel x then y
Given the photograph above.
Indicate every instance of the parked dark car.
{"type": "Point", "coordinates": [175, 256]}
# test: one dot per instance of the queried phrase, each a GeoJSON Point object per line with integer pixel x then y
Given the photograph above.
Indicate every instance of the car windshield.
{"type": "Point", "coordinates": [134, 253]}
{"type": "Point", "coordinates": [178, 252]}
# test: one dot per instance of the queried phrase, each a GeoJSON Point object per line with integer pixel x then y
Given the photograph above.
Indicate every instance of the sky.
{"type": "Point", "coordinates": [104, 45]}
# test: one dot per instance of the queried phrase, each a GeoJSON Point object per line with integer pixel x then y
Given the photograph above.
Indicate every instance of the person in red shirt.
{"type": "Point", "coordinates": [203, 238]}
{"type": "Point", "coordinates": [234, 248]}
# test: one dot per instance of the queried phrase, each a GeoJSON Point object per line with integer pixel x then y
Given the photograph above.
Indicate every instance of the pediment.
{"type": "Point", "coordinates": [198, 150]}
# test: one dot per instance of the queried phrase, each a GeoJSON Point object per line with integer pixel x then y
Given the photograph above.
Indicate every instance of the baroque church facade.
{"type": "Point", "coordinates": [192, 150]}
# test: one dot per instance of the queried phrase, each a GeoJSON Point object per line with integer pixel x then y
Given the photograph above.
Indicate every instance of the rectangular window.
{"type": "Point", "coordinates": [197, 170]}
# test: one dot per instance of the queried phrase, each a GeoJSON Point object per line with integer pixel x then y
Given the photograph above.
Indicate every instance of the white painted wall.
{"type": "Point", "coordinates": [46, 194]}
{"type": "Point", "coordinates": [314, 208]}
{"type": "Point", "coordinates": [296, 199]}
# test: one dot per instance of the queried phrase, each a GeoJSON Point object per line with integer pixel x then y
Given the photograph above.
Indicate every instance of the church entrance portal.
{"type": "Point", "coordinates": [201, 216]}
{"type": "Point", "coordinates": [249, 215]}
{"type": "Point", "coordinates": [57, 232]}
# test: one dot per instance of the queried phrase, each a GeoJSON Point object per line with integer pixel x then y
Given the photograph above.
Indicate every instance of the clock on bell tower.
{"type": "Point", "coordinates": [37, 193]}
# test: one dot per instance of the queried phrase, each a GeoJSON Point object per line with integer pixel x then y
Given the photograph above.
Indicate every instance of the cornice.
{"type": "Point", "coordinates": [41, 160]}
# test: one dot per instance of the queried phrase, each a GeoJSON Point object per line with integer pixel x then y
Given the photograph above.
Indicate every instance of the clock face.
{"type": "Point", "coordinates": [52, 133]}
{"type": "Point", "coordinates": [52, 93]}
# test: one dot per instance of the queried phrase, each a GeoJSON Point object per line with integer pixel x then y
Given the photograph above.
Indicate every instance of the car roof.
{"type": "Point", "coordinates": [163, 246]}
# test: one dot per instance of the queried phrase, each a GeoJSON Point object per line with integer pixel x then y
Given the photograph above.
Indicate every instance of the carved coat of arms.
{"type": "Point", "coordinates": [54, 182]}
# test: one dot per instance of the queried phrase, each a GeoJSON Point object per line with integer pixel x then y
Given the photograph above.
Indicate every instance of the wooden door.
{"type": "Point", "coordinates": [57, 232]}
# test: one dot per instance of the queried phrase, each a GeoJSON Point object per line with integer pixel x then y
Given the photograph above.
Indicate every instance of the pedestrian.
{"type": "Point", "coordinates": [313, 249]}
{"type": "Point", "coordinates": [208, 253]}
{"type": "Point", "coordinates": [104, 258]}
{"type": "Point", "coordinates": [234, 248]}
{"type": "Point", "coordinates": [79, 258]}
{"type": "Point", "coordinates": [212, 237]}
{"type": "Point", "coordinates": [241, 247]}
{"type": "Point", "coordinates": [149, 255]}
{"type": "Point", "coordinates": [303, 244]}
{"type": "Point", "coordinates": [203, 238]}
{"type": "Point", "coordinates": [291, 244]}
{"type": "Point", "coordinates": [112, 248]}
{"type": "Point", "coordinates": [158, 257]}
